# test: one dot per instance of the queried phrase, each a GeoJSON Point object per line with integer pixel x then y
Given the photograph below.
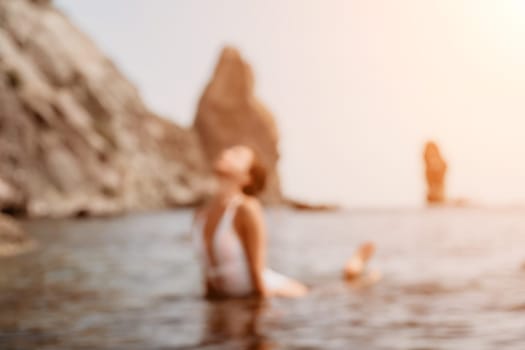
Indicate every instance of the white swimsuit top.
{"type": "Point", "coordinates": [230, 274]}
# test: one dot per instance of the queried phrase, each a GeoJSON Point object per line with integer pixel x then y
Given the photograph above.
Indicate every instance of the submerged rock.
{"type": "Point", "coordinates": [435, 171]}
{"type": "Point", "coordinates": [13, 240]}
{"type": "Point", "coordinates": [75, 136]}
{"type": "Point", "coordinates": [229, 113]}
{"type": "Point", "coordinates": [306, 206]}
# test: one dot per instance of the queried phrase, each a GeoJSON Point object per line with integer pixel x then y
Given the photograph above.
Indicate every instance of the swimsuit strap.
{"type": "Point", "coordinates": [224, 225]}
{"type": "Point", "coordinates": [226, 222]}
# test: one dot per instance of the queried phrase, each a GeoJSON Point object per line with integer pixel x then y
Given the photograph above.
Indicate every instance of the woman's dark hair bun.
{"type": "Point", "coordinates": [258, 178]}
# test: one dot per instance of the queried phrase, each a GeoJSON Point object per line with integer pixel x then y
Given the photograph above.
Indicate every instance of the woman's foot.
{"type": "Point", "coordinates": [292, 289]}
{"type": "Point", "coordinates": [357, 263]}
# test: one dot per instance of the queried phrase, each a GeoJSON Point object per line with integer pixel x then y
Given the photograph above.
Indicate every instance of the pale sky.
{"type": "Point", "coordinates": [356, 86]}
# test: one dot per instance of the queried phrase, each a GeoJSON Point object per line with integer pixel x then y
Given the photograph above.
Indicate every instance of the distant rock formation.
{"type": "Point", "coordinates": [76, 138]}
{"type": "Point", "coordinates": [229, 113]}
{"type": "Point", "coordinates": [13, 240]}
{"type": "Point", "coordinates": [435, 171]}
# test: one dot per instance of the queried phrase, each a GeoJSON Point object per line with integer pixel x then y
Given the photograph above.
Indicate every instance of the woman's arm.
{"type": "Point", "coordinates": [249, 225]}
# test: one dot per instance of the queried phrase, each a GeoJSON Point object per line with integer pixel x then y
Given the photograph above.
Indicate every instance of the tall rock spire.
{"type": "Point", "coordinates": [229, 113]}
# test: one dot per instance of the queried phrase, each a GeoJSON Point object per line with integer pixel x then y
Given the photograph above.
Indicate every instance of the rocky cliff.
{"type": "Point", "coordinates": [75, 136]}
{"type": "Point", "coordinates": [229, 113]}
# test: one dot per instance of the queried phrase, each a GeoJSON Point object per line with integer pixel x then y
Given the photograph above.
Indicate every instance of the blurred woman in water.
{"type": "Point", "coordinates": [231, 234]}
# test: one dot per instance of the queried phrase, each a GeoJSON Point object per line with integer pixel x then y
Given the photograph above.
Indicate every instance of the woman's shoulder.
{"type": "Point", "coordinates": [249, 213]}
{"type": "Point", "coordinates": [249, 203]}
